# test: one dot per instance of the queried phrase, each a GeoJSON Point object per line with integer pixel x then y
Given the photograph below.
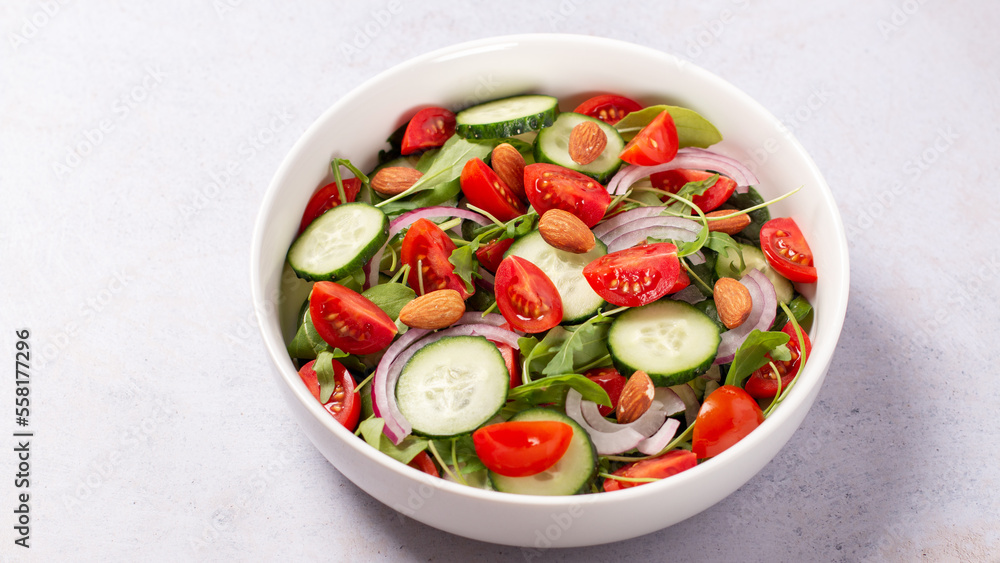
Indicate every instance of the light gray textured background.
{"type": "Point", "coordinates": [160, 431]}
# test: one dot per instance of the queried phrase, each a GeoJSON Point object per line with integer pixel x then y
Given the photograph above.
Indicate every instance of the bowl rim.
{"type": "Point", "coordinates": [822, 352]}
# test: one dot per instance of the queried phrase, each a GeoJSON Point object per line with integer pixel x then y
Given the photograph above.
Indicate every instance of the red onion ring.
{"type": "Point", "coordinates": [606, 443]}
{"type": "Point", "coordinates": [765, 308]}
{"type": "Point", "coordinates": [610, 438]}
{"type": "Point", "coordinates": [688, 158]}
{"type": "Point", "coordinates": [647, 424]}
{"type": "Point", "coordinates": [679, 223]}
{"type": "Point", "coordinates": [690, 295]}
{"type": "Point", "coordinates": [655, 443]}
{"type": "Point", "coordinates": [690, 399]}
{"type": "Point", "coordinates": [625, 217]}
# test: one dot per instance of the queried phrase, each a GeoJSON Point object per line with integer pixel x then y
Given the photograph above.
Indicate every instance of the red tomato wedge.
{"type": "Point", "coordinates": [635, 276]}
{"type": "Point", "coordinates": [612, 382]}
{"type": "Point", "coordinates": [426, 249]}
{"type": "Point", "coordinates": [491, 254]}
{"type": "Point", "coordinates": [726, 417]}
{"type": "Point", "coordinates": [526, 297]}
{"type": "Point", "coordinates": [423, 462]}
{"type": "Point", "coordinates": [655, 144]}
{"type": "Point", "coordinates": [522, 448]}
{"type": "Point", "coordinates": [763, 383]}
{"type": "Point", "coordinates": [512, 361]}
{"type": "Point", "coordinates": [429, 128]}
{"type": "Point", "coordinates": [484, 189]}
{"type": "Point", "coordinates": [347, 320]}
{"type": "Point", "coordinates": [345, 402]}
{"type": "Point", "coordinates": [550, 186]}
{"type": "Point", "coordinates": [666, 465]}
{"type": "Point", "coordinates": [787, 251]}
{"type": "Point", "coordinates": [327, 198]}
{"type": "Point", "coordinates": [683, 280]}
{"type": "Point", "coordinates": [673, 180]}
{"type": "Point", "coordinates": [609, 108]}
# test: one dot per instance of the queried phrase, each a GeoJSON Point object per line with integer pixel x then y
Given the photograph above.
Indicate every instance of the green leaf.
{"type": "Point", "coordinates": [799, 307]}
{"type": "Point", "coordinates": [326, 376]}
{"type": "Point", "coordinates": [582, 345]}
{"type": "Point", "coordinates": [693, 130]}
{"type": "Point", "coordinates": [752, 354]}
{"type": "Point", "coordinates": [441, 194]}
{"type": "Point", "coordinates": [552, 389]}
{"type": "Point", "coordinates": [390, 297]}
{"type": "Point", "coordinates": [371, 430]}
{"type": "Point", "coordinates": [751, 233]}
{"type": "Point", "coordinates": [723, 243]}
{"type": "Point", "coordinates": [465, 265]}
{"type": "Point", "coordinates": [446, 165]}
{"type": "Point", "coordinates": [307, 343]}
{"type": "Point", "coordinates": [461, 451]}
{"type": "Point", "coordinates": [699, 187]}
{"type": "Point", "coordinates": [781, 353]}
{"type": "Point", "coordinates": [395, 144]}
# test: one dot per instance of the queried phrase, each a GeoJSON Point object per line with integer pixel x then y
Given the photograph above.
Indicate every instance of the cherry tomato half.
{"type": "Point", "coordinates": [549, 186]}
{"type": "Point", "coordinates": [512, 361]}
{"type": "Point", "coordinates": [347, 320]}
{"type": "Point", "coordinates": [609, 108]}
{"type": "Point", "coordinates": [763, 383]}
{"type": "Point", "coordinates": [683, 280]}
{"type": "Point", "coordinates": [426, 248]}
{"type": "Point", "coordinates": [522, 448]}
{"type": "Point", "coordinates": [612, 382]}
{"type": "Point", "coordinates": [655, 144]}
{"type": "Point", "coordinates": [526, 297]}
{"type": "Point", "coordinates": [635, 276]}
{"type": "Point", "coordinates": [491, 254]}
{"type": "Point", "coordinates": [666, 465]}
{"type": "Point", "coordinates": [726, 417]}
{"type": "Point", "coordinates": [787, 251]}
{"type": "Point", "coordinates": [673, 180]}
{"type": "Point", "coordinates": [484, 189]}
{"type": "Point", "coordinates": [327, 198]}
{"type": "Point", "coordinates": [423, 462]}
{"type": "Point", "coordinates": [429, 128]}
{"type": "Point", "coordinates": [345, 402]}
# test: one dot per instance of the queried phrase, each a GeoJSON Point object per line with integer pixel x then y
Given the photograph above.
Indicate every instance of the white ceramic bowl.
{"type": "Point", "coordinates": [572, 68]}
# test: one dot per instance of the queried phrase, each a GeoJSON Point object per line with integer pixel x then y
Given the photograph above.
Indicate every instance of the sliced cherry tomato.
{"type": "Point", "coordinates": [673, 180]}
{"type": "Point", "coordinates": [787, 251]}
{"type": "Point", "coordinates": [484, 189]}
{"type": "Point", "coordinates": [726, 417]}
{"type": "Point", "coordinates": [429, 128]}
{"type": "Point", "coordinates": [347, 320]}
{"type": "Point", "coordinates": [522, 448]}
{"type": "Point", "coordinates": [612, 382]}
{"type": "Point", "coordinates": [683, 280]}
{"type": "Point", "coordinates": [491, 254]}
{"type": "Point", "coordinates": [345, 402]}
{"type": "Point", "coordinates": [426, 248]}
{"type": "Point", "coordinates": [635, 276]}
{"type": "Point", "coordinates": [666, 465]}
{"type": "Point", "coordinates": [549, 186]}
{"type": "Point", "coordinates": [763, 383]}
{"type": "Point", "coordinates": [609, 108]}
{"type": "Point", "coordinates": [327, 198]}
{"type": "Point", "coordinates": [510, 358]}
{"type": "Point", "coordinates": [655, 144]}
{"type": "Point", "coordinates": [526, 297]}
{"type": "Point", "coordinates": [423, 462]}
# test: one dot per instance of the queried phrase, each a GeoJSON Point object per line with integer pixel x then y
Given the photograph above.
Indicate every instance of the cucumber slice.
{"type": "Point", "coordinates": [552, 145]}
{"type": "Point", "coordinates": [670, 340]}
{"type": "Point", "coordinates": [570, 475]}
{"type": "Point", "coordinates": [728, 266]}
{"type": "Point", "coordinates": [339, 242]}
{"type": "Point", "coordinates": [506, 117]}
{"type": "Point", "coordinates": [452, 386]}
{"type": "Point", "coordinates": [565, 269]}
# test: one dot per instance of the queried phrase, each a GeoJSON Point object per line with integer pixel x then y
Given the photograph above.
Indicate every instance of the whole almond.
{"type": "Point", "coordinates": [565, 231]}
{"type": "Point", "coordinates": [586, 142]}
{"type": "Point", "coordinates": [729, 225]}
{"type": "Point", "coordinates": [733, 301]}
{"type": "Point", "coordinates": [394, 180]}
{"type": "Point", "coordinates": [508, 163]}
{"type": "Point", "coordinates": [430, 311]}
{"type": "Point", "coordinates": [636, 397]}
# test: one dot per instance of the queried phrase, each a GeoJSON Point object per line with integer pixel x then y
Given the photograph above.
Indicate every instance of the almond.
{"type": "Point", "coordinates": [437, 309]}
{"type": "Point", "coordinates": [729, 225]}
{"type": "Point", "coordinates": [394, 180]}
{"type": "Point", "coordinates": [636, 397]}
{"type": "Point", "coordinates": [508, 163]}
{"type": "Point", "coordinates": [733, 301]}
{"type": "Point", "coordinates": [565, 231]}
{"type": "Point", "coordinates": [586, 142]}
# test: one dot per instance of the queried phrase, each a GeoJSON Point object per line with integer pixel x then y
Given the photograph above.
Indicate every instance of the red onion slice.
{"type": "Point", "coordinates": [669, 401]}
{"type": "Point", "coordinates": [677, 223]}
{"type": "Point", "coordinates": [610, 438]}
{"type": "Point", "coordinates": [690, 295]}
{"type": "Point", "coordinates": [765, 307]}
{"type": "Point", "coordinates": [690, 399]}
{"type": "Point", "coordinates": [647, 424]}
{"type": "Point", "coordinates": [655, 443]}
{"type": "Point", "coordinates": [689, 158]}
{"type": "Point", "coordinates": [625, 217]}
{"type": "Point", "coordinates": [606, 443]}
{"type": "Point", "coordinates": [473, 317]}
{"type": "Point", "coordinates": [639, 236]}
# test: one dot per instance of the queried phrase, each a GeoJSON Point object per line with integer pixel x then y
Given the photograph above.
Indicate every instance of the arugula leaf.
{"type": "Point", "coordinates": [446, 165]}
{"type": "Point", "coordinates": [395, 141]}
{"type": "Point", "coordinates": [698, 187]}
{"type": "Point", "coordinates": [441, 194]}
{"type": "Point", "coordinates": [751, 354]}
{"type": "Point", "coordinates": [371, 430]}
{"type": "Point", "coordinates": [800, 309]}
{"type": "Point", "coordinates": [461, 451]}
{"type": "Point", "coordinates": [465, 264]}
{"type": "Point", "coordinates": [307, 343]}
{"type": "Point", "coordinates": [781, 353]}
{"type": "Point", "coordinates": [390, 297]}
{"type": "Point", "coordinates": [552, 389]}
{"type": "Point", "coordinates": [582, 345]}
{"type": "Point", "coordinates": [693, 130]}
{"type": "Point", "coordinates": [723, 244]}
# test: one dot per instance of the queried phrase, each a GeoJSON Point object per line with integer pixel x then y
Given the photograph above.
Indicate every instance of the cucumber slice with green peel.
{"type": "Point", "coordinates": [452, 386]}
{"type": "Point", "coordinates": [338, 242]}
{"type": "Point", "coordinates": [573, 472]}
{"type": "Point", "coordinates": [565, 269]}
{"type": "Point", "coordinates": [552, 146]}
{"type": "Point", "coordinates": [671, 341]}
{"type": "Point", "coordinates": [506, 117]}
{"type": "Point", "coordinates": [728, 266]}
